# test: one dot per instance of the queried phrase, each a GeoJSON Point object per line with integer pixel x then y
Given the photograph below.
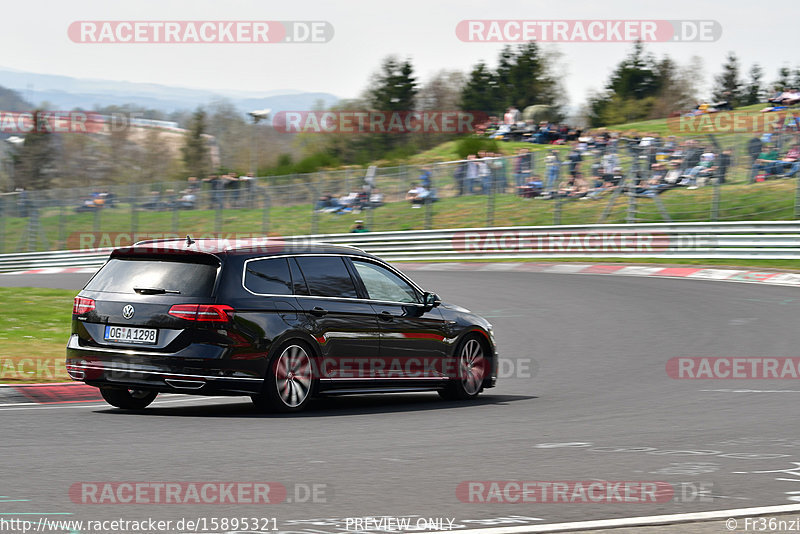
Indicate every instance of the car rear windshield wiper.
{"type": "Point", "coordinates": [155, 291]}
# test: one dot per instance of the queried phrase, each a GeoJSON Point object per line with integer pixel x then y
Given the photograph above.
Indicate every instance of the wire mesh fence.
{"type": "Point", "coordinates": [650, 180]}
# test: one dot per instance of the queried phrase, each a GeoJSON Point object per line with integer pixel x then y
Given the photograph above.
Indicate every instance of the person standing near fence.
{"type": "Point", "coordinates": [473, 171]}
{"type": "Point", "coordinates": [484, 172]}
{"type": "Point", "coordinates": [754, 147]}
{"type": "Point", "coordinates": [553, 166]}
{"type": "Point", "coordinates": [460, 176]}
{"type": "Point", "coordinates": [522, 167]}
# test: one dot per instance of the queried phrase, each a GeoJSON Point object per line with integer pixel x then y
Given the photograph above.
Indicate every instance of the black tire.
{"type": "Point", "coordinates": [290, 383]}
{"type": "Point", "coordinates": [472, 367]}
{"type": "Point", "coordinates": [128, 399]}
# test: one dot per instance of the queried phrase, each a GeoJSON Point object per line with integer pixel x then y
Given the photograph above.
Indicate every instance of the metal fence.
{"type": "Point", "coordinates": [88, 217]}
{"type": "Point", "coordinates": [755, 239]}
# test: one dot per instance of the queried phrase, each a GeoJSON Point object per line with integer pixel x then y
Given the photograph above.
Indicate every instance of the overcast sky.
{"type": "Point", "coordinates": [34, 38]}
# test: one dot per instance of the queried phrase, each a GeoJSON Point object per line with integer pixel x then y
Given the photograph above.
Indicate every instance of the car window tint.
{"type": "Point", "coordinates": [298, 281]}
{"type": "Point", "coordinates": [383, 284]}
{"type": "Point", "coordinates": [121, 276]}
{"type": "Point", "coordinates": [327, 276]}
{"type": "Point", "coordinates": [268, 277]}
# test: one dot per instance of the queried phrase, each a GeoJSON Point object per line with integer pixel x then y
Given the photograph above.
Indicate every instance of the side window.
{"type": "Point", "coordinates": [268, 277]}
{"type": "Point", "coordinates": [327, 276]}
{"type": "Point", "coordinates": [383, 284]}
{"type": "Point", "coordinates": [298, 281]}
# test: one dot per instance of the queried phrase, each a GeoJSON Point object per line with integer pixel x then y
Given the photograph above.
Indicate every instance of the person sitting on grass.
{"type": "Point", "coordinates": [767, 163]}
{"type": "Point", "coordinates": [791, 161]}
{"type": "Point", "coordinates": [417, 195]}
{"type": "Point", "coordinates": [359, 228]}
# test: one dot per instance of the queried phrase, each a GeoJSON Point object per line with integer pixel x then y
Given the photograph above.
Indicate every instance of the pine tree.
{"type": "Point", "coordinates": [34, 161]}
{"type": "Point", "coordinates": [753, 91]}
{"type": "Point", "coordinates": [727, 84]}
{"type": "Point", "coordinates": [480, 91]}
{"type": "Point", "coordinates": [195, 151]}
{"type": "Point", "coordinates": [782, 83]}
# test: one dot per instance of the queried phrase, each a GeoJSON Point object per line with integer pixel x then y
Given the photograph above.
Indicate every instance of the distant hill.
{"type": "Point", "coordinates": [11, 100]}
{"type": "Point", "coordinates": [64, 93]}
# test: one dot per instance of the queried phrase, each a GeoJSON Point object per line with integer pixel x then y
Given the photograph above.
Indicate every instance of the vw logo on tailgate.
{"type": "Point", "coordinates": [128, 311]}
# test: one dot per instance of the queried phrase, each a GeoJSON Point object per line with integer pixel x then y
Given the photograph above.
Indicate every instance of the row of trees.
{"type": "Point", "coordinates": [639, 87]}
{"type": "Point", "coordinates": [642, 87]}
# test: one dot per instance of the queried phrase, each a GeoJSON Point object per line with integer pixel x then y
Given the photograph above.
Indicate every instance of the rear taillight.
{"type": "Point", "coordinates": [82, 305]}
{"type": "Point", "coordinates": [203, 313]}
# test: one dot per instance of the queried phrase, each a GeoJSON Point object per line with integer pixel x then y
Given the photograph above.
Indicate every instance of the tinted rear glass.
{"type": "Point", "coordinates": [327, 276]}
{"type": "Point", "coordinates": [121, 276]}
{"type": "Point", "coordinates": [268, 277]}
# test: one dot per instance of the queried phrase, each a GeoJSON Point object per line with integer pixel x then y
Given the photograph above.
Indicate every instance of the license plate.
{"type": "Point", "coordinates": [126, 334]}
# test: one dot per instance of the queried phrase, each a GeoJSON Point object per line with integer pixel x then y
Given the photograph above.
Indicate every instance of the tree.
{"type": "Point", "coordinates": [632, 90]}
{"type": "Point", "coordinates": [782, 83]}
{"type": "Point", "coordinates": [480, 91]}
{"type": "Point", "coordinates": [678, 86]}
{"type": "Point", "coordinates": [636, 77]}
{"type": "Point", "coordinates": [393, 88]}
{"type": "Point", "coordinates": [34, 161]}
{"type": "Point", "coordinates": [195, 151]}
{"type": "Point", "coordinates": [524, 77]}
{"type": "Point", "coordinates": [753, 92]}
{"type": "Point", "coordinates": [727, 84]}
{"type": "Point", "coordinates": [796, 78]}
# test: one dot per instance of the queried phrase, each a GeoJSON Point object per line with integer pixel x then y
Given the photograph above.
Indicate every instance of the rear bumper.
{"type": "Point", "coordinates": [163, 372]}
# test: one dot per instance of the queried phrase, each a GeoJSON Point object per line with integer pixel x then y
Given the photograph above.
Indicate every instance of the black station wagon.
{"type": "Point", "coordinates": [278, 323]}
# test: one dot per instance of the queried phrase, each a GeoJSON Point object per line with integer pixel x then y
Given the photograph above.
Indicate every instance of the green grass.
{"type": "Point", "coordinates": [772, 200]}
{"type": "Point", "coordinates": [34, 334]}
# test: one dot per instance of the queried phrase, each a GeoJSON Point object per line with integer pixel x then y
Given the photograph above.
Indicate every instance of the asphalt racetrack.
{"type": "Point", "coordinates": [584, 396]}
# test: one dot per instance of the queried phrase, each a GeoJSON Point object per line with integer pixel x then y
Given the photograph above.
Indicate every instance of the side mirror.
{"type": "Point", "coordinates": [431, 300]}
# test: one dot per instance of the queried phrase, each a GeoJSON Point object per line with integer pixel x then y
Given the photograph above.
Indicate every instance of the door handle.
{"type": "Point", "coordinates": [319, 312]}
{"type": "Point", "coordinates": [386, 316]}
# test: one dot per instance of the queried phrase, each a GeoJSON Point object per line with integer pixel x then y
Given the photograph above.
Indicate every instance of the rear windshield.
{"type": "Point", "coordinates": [188, 279]}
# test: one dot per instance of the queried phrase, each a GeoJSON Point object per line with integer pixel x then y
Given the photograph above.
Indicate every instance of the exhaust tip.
{"type": "Point", "coordinates": [76, 374]}
{"type": "Point", "coordinates": [178, 383]}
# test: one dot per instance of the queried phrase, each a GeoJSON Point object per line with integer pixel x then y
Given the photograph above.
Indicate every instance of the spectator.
{"type": "Point", "coordinates": [767, 163]}
{"type": "Point", "coordinates": [460, 176]}
{"type": "Point", "coordinates": [522, 167]}
{"type": "Point", "coordinates": [417, 195]}
{"type": "Point", "coordinates": [700, 173]}
{"type": "Point", "coordinates": [359, 228]}
{"type": "Point", "coordinates": [725, 161]}
{"type": "Point", "coordinates": [425, 178]}
{"type": "Point", "coordinates": [553, 166]}
{"type": "Point", "coordinates": [375, 198]}
{"type": "Point", "coordinates": [484, 172]}
{"type": "Point", "coordinates": [498, 172]}
{"type": "Point", "coordinates": [473, 173]}
{"type": "Point", "coordinates": [574, 159]}
{"type": "Point", "coordinates": [791, 161]}
{"type": "Point", "coordinates": [188, 199]}
{"type": "Point", "coordinates": [754, 147]}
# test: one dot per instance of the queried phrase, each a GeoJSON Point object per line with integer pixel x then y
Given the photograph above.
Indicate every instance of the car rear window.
{"type": "Point", "coordinates": [268, 277]}
{"type": "Point", "coordinates": [327, 276]}
{"type": "Point", "coordinates": [122, 276]}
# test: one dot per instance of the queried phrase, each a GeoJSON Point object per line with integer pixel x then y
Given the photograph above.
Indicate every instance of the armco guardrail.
{"type": "Point", "coordinates": [755, 239]}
